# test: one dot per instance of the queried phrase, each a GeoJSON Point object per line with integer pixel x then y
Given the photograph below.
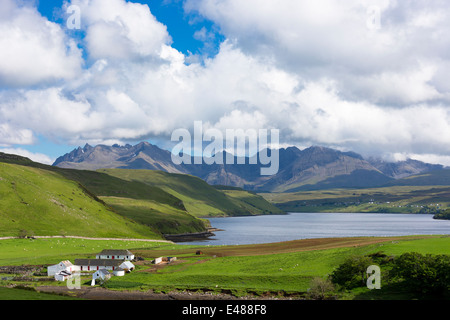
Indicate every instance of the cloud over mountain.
{"type": "Point", "coordinates": [312, 69]}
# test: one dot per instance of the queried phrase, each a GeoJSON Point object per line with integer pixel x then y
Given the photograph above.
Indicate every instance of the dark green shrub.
{"type": "Point", "coordinates": [352, 273]}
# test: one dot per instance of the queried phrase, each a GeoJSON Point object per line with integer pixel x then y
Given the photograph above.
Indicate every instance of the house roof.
{"type": "Point", "coordinates": [67, 263]}
{"type": "Point", "coordinates": [103, 271]}
{"type": "Point", "coordinates": [116, 252]}
{"type": "Point", "coordinates": [98, 262]}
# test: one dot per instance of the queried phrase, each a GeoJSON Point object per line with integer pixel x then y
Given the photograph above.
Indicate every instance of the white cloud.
{"type": "Point", "coordinates": [327, 38]}
{"type": "Point", "coordinates": [121, 30]}
{"type": "Point", "coordinates": [10, 135]}
{"type": "Point", "coordinates": [309, 68]}
{"type": "Point", "coordinates": [34, 50]}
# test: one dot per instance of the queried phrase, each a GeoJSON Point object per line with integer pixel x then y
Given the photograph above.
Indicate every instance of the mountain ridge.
{"type": "Point", "coordinates": [313, 168]}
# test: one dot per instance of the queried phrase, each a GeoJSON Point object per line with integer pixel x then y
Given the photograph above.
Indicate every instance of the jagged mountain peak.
{"type": "Point", "coordinates": [313, 167]}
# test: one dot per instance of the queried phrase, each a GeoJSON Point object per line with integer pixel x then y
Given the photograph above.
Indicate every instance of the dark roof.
{"type": "Point", "coordinates": [98, 262]}
{"type": "Point", "coordinates": [116, 252]}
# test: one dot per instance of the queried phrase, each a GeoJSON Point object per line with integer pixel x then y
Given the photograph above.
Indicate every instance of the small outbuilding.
{"type": "Point", "coordinates": [119, 272]}
{"type": "Point", "coordinates": [127, 266]}
{"type": "Point", "coordinates": [164, 260]}
{"type": "Point", "coordinates": [63, 275]}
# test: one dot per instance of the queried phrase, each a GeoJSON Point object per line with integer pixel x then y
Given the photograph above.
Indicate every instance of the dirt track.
{"type": "Point", "coordinates": [97, 293]}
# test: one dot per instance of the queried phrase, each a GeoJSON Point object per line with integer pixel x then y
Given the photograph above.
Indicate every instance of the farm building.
{"type": "Point", "coordinates": [127, 266]}
{"type": "Point", "coordinates": [62, 266]}
{"type": "Point", "coordinates": [108, 264]}
{"type": "Point", "coordinates": [116, 255]}
{"type": "Point", "coordinates": [100, 275]}
{"type": "Point", "coordinates": [63, 275]}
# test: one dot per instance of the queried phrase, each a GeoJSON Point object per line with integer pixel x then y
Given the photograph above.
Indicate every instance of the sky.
{"type": "Point", "coordinates": [361, 75]}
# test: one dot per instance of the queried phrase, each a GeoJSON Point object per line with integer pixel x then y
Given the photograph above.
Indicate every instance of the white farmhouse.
{"type": "Point", "coordinates": [97, 264]}
{"type": "Point", "coordinates": [116, 255]}
{"type": "Point", "coordinates": [62, 266]}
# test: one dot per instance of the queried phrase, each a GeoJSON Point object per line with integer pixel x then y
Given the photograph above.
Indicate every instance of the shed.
{"type": "Point", "coordinates": [63, 275]}
{"type": "Point", "coordinates": [119, 272]}
{"type": "Point", "coordinates": [127, 266]}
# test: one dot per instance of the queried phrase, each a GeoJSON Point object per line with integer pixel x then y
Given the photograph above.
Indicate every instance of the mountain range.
{"type": "Point", "coordinates": [313, 168]}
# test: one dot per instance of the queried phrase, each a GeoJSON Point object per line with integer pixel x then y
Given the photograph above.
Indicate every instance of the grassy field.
{"type": "Point", "coordinates": [24, 294]}
{"type": "Point", "coordinates": [278, 268]}
{"type": "Point", "coordinates": [284, 267]}
{"type": "Point", "coordinates": [395, 199]}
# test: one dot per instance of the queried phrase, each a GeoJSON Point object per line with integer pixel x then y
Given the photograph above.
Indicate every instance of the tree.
{"type": "Point", "coordinates": [423, 273]}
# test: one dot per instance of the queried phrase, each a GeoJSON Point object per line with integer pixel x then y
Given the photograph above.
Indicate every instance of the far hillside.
{"type": "Point", "coordinates": [200, 198]}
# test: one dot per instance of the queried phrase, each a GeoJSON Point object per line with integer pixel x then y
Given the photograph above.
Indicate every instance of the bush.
{"type": "Point", "coordinates": [321, 289]}
{"type": "Point", "coordinates": [352, 273]}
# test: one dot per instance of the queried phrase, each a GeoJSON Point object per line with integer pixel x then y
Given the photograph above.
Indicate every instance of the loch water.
{"type": "Point", "coordinates": [296, 226]}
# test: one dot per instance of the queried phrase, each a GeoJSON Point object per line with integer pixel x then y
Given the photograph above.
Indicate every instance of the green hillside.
{"type": "Point", "coordinates": [199, 198]}
{"type": "Point", "coordinates": [43, 203]}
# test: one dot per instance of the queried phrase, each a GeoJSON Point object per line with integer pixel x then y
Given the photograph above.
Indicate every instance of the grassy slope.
{"type": "Point", "coordinates": [146, 204]}
{"type": "Point", "coordinates": [199, 198]}
{"type": "Point", "coordinates": [42, 202]}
